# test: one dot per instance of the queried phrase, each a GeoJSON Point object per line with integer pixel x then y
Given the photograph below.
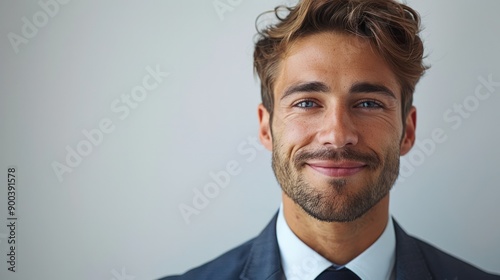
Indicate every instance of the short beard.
{"type": "Point", "coordinates": [339, 203]}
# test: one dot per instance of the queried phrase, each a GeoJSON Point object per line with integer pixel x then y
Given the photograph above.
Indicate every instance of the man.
{"type": "Point", "coordinates": [337, 80]}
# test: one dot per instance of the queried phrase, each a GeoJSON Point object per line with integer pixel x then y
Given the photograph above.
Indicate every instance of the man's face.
{"type": "Point", "coordinates": [337, 131]}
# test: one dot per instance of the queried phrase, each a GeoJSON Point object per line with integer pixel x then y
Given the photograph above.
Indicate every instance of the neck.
{"type": "Point", "coordinates": [338, 242]}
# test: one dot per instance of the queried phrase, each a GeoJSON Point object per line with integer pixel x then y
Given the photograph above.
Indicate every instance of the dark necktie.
{"type": "Point", "coordinates": [341, 274]}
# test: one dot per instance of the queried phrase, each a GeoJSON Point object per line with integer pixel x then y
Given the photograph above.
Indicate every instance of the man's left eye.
{"type": "Point", "coordinates": [369, 104]}
{"type": "Point", "coordinates": [306, 104]}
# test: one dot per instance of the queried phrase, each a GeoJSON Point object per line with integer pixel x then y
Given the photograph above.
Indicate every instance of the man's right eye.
{"type": "Point", "coordinates": [306, 104]}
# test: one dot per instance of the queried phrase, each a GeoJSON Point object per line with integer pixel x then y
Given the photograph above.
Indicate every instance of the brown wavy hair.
{"type": "Point", "coordinates": [392, 28]}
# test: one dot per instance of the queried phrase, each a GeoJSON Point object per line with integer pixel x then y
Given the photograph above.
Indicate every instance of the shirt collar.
{"type": "Point", "coordinates": [299, 261]}
{"type": "Point", "coordinates": [377, 262]}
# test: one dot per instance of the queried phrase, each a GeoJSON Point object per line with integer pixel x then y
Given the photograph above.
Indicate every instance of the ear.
{"type": "Point", "coordinates": [409, 134]}
{"type": "Point", "coordinates": [265, 135]}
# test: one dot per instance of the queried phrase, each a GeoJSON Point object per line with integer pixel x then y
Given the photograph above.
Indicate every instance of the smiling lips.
{"type": "Point", "coordinates": [337, 169]}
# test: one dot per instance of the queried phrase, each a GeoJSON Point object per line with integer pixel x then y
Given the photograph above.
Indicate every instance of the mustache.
{"type": "Point", "coordinates": [370, 159]}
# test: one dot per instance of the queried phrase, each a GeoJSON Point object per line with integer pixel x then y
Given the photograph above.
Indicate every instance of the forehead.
{"type": "Point", "coordinates": [336, 58]}
{"type": "Point", "coordinates": [340, 44]}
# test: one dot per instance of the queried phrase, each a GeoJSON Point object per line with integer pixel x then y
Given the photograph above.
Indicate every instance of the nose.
{"type": "Point", "coordinates": [337, 129]}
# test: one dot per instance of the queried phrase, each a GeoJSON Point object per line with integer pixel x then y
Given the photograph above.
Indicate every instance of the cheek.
{"type": "Point", "coordinates": [383, 129]}
{"type": "Point", "coordinates": [293, 133]}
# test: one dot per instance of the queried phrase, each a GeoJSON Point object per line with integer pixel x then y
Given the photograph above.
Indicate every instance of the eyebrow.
{"type": "Point", "coordinates": [364, 87]}
{"type": "Point", "coordinates": [306, 87]}
{"type": "Point", "coordinates": [360, 87]}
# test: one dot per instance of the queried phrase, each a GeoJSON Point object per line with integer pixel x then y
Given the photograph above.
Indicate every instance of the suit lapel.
{"type": "Point", "coordinates": [410, 262]}
{"type": "Point", "coordinates": [264, 261]}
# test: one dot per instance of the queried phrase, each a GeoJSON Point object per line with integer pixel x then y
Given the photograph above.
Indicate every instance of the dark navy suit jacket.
{"type": "Point", "coordinates": [259, 259]}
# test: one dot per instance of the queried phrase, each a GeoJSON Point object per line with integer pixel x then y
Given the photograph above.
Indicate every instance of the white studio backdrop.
{"type": "Point", "coordinates": [115, 114]}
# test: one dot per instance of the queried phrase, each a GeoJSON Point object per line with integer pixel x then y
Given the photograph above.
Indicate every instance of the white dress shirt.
{"type": "Point", "coordinates": [300, 262]}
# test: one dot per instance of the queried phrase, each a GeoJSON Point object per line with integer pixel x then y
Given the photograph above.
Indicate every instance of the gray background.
{"type": "Point", "coordinates": [116, 215]}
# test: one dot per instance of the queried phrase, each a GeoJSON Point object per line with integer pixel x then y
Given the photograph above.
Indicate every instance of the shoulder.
{"type": "Point", "coordinates": [257, 258]}
{"type": "Point", "coordinates": [444, 264]}
{"type": "Point", "coordinates": [227, 266]}
{"type": "Point", "coordinates": [414, 254]}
